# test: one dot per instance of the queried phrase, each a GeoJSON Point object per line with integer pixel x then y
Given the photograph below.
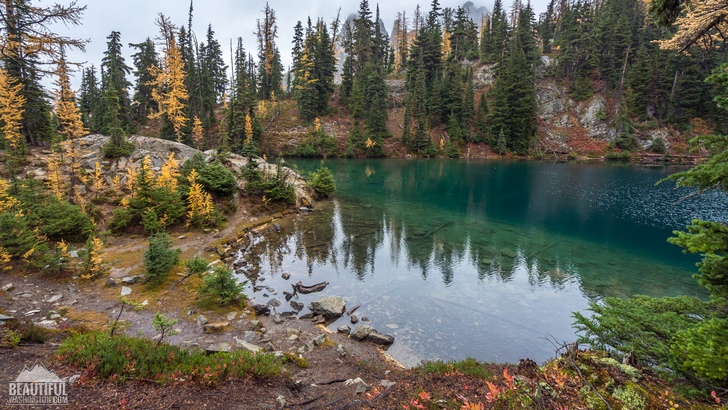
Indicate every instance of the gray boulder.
{"type": "Point", "coordinates": [329, 307]}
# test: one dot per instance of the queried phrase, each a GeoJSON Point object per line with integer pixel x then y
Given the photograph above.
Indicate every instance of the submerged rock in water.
{"type": "Point", "coordinates": [369, 334]}
{"type": "Point", "coordinates": [261, 310]}
{"type": "Point", "coordinates": [328, 307]}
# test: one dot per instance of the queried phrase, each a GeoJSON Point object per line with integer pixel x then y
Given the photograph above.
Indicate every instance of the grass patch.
{"type": "Point", "coordinates": [468, 367]}
{"type": "Point", "coordinates": [122, 358]}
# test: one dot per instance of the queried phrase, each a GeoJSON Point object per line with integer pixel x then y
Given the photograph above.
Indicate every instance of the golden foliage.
{"type": "Point", "coordinates": [55, 180]}
{"type": "Point", "coordinates": [370, 143]}
{"type": "Point", "coordinates": [98, 178]}
{"type": "Point", "coordinates": [199, 203]}
{"type": "Point", "coordinates": [7, 202]}
{"type": "Point", "coordinates": [198, 133]}
{"type": "Point", "coordinates": [11, 110]}
{"type": "Point", "coordinates": [168, 87]}
{"type": "Point", "coordinates": [248, 129]}
{"type": "Point", "coordinates": [69, 116]}
{"type": "Point", "coordinates": [317, 124]}
{"type": "Point", "coordinates": [169, 173]}
{"type": "Point", "coordinates": [703, 23]}
{"type": "Point", "coordinates": [5, 256]}
{"type": "Point", "coordinates": [94, 257]}
{"type": "Point", "coordinates": [131, 173]}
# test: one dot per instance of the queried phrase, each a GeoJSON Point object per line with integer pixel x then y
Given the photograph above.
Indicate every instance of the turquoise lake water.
{"type": "Point", "coordinates": [485, 259]}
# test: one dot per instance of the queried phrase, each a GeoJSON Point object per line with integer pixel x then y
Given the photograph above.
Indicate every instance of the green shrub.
{"type": "Point", "coordinates": [196, 265]}
{"type": "Point", "coordinates": [120, 220]}
{"type": "Point", "coordinates": [658, 146]}
{"type": "Point", "coordinates": [9, 338]}
{"type": "Point", "coordinates": [151, 222]}
{"type": "Point", "coordinates": [58, 219]}
{"type": "Point", "coordinates": [322, 181]}
{"type": "Point", "coordinates": [618, 156]}
{"type": "Point", "coordinates": [273, 187]}
{"type": "Point", "coordinates": [469, 367]}
{"type": "Point", "coordinates": [121, 358]}
{"type": "Point", "coordinates": [452, 150]}
{"type": "Point", "coordinates": [214, 177]}
{"type": "Point", "coordinates": [159, 258]}
{"type": "Point", "coordinates": [117, 147]}
{"type": "Point", "coordinates": [221, 287]}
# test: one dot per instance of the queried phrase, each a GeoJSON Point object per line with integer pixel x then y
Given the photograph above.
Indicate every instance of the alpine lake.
{"type": "Point", "coordinates": [482, 259]}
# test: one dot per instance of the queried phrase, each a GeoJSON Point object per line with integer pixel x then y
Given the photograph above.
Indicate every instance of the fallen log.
{"type": "Point", "coordinates": [301, 288]}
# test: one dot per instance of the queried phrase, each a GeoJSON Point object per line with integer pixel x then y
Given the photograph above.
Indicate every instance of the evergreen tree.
{"type": "Point", "coordinates": [144, 59]}
{"type": "Point", "coordinates": [90, 99]}
{"type": "Point", "coordinates": [270, 77]}
{"type": "Point", "coordinates": [241, 100]}
{"type": "Point", "coordinates": [114, 86]}
{"type": "Point", "coordinates": [213, 79]}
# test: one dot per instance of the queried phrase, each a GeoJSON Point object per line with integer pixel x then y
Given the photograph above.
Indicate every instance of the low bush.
{"type": "Point", "coordinates": [159, 258]}
{"type": "Point", "coordinates": [221, 287]}
{"type": "Point", "coordinates": [618, 156]}
{"type": "Point", "coordinates": [122, 358]}
{"type": "Point", "coordinates": [322, 181]}
{"type": "Point", "coordinates": [214, 177]}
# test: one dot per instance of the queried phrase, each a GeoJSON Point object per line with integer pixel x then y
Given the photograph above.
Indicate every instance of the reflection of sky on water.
{"type": "Point", "coordinates": [470, 261]}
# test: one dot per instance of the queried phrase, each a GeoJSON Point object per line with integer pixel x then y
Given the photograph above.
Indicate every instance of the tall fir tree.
{"type": "Point", "coordinates": [270, 77]}
{"type": "Point", "coordinates": [115, 86]}
{"type": "Point", "coordinates": [143, 103]}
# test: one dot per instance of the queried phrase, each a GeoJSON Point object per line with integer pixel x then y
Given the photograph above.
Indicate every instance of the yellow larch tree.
{"type": "Point", "coordinates": [54, 181]}
{"type": "Point", "coordinates": [7, 202]}
{"type": "Point", "coordinates": [94, 257]}
{"type": "Point", "coordinates": [131, 173]}
{"type": "Point", "coordinates": [98, 179]}
{"type": "Point", "coordinates": [168, 87]}
{"type": "Point", "coordinates": [69, 116]}
{"type": "Point", "coordinates": [169, 173]}
{"type": "Point", "coordinates": [11, 116]}
{"type": "Point", "coordinates": [199, 203]}
{"type": "Point", "coordinates": [198, 133]}
{"type": "Point", "coordinates": [248, 129]}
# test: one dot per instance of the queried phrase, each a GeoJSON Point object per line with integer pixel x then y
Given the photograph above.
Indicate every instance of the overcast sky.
{"type": "Point", "coordinates": [230, 19]}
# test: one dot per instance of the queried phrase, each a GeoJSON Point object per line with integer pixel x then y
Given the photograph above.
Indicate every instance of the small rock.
{"type": "Point", "coordinates": [281, 401]}
{"type": "Point", "coordinates": [308, 315]}
{"type": "Point", "coordinates": [201, 320]}
{"type": "Point", "coordinates": [130, 280]}
{"type": "Point", "coordinates": [361, 386]}
{"type": "Point", "coordinates": [250, 337]}
{"type": "Point", "coordinates": [269, 346]}
{"type": "Point", "coordinates": [8, 288]}
{"type": "Point", "coordinates": [215, 327]}
{"type": "Point", "coordinates": [242, 344]}
{"type": "Point", "coordinates": [32, 312]}
{"type": "Point", "coordinates": [257, 324]}
{"type": "Point", "coordinates": [54, 298]}
{"type": "Point", "coordinates": [191, 312]}
{"type": "Point", "coordinates": [73, 254]}
{"type": "Point", "coordinates": [263, 330]}
{"type": "Point", "coordinates": [317, 320]}
{"type": "Point", "coordinates": [320, 339]}
{"type": "Point", "coordinates": [297, 306]}
{"type": "Point", "coordinates": [306, 348]}
{"type": "Point", "coordinates": [380, 338]}
{"type": "Point", "coordinates": [364, 319]}
{"type": "Point", "coordinates": [354, 319]}
{"type": "Point", "coordinates": [125, 291]}
{"type": "Point", "coordinates": [146, 302]}
{"type": "Point", "coordinates": [507, 253]}
{"type": "Point", "coordinates": [261, 310]}
{"type": "Point", "coordinates": [219, 347]}
{"type": "Point", "coordinates": [386, 383]}
{"type": "Point", "coordinates": [5, 318]}
{"type": "Point", "coordinates": [231, 316]}
{"type": "Point", "coordinates": [111, 283]}
{"type": "Point", "coordinates": [286, 276]}
{"type": "Point", "coordinates": [392, 326]}
{"type": "Point", "coordinates": [26, 295]}
{"type": "Point", "coordinates": [293, 338]}
{"type": "Point", "coordinates": [292, 331]}
{"type": "Point", "coordinates": [48, 324]}
{"type": "Point", "coordinates": [54, 316]}
{"type": "Point", "coordinates": [345, 329]}
{"type": "Point", "coordinates": [340, 350]}
{"type": "Point", "coordinates": [273, 303]}
{"type": "Point", "coordinates": [277, 319]}
{"type": "Point", "coordinates": [74, 378]}
{"type": "Point", "coordinates": [182, 237]}
{"type": "Point", "coordinates": [361, 332]}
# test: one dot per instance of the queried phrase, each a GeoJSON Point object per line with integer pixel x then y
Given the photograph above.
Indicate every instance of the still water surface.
{"type": "Point", "coordinates": [485, 259]}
